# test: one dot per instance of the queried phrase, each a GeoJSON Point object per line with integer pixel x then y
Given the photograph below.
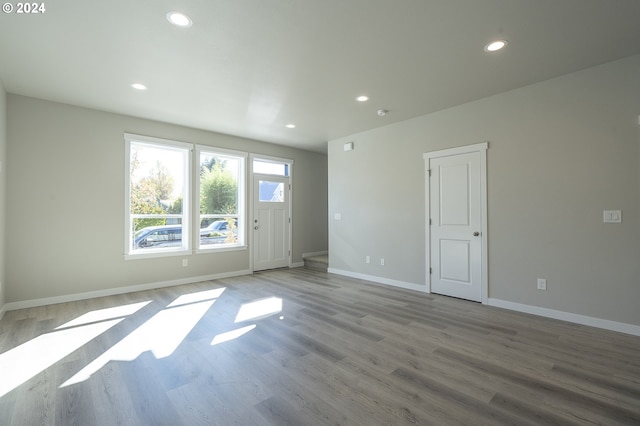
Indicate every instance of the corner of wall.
{"type": "Point", "coordinates": [3, 190]}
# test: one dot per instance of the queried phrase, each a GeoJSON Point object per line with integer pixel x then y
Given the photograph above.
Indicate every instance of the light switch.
{"type": "Point", "coordinates": [337, 216]}
{"type": "Point", "coordinates": [612, 216]}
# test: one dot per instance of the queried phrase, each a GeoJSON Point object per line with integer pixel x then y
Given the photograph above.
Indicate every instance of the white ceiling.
{"type": "Point", "coordinates": [248, 67]}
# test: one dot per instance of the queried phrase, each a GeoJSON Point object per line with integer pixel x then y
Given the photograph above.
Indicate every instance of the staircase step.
{"type": "Point", "coordinates": [317, 263]}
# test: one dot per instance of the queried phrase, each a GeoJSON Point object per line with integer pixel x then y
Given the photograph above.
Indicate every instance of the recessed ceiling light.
{"type": "Point", "coordinates": [495, 45]}
{"type": "Point", "coordinates": [138, 86]}
{"type": "Point", "coordinates": [362, 98]}
{"type": "Point", "coordinates": [290, 126]}
{"type": "Point", "coordinates": [179, 19]}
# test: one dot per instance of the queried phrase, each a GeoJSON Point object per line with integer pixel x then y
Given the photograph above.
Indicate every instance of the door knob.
{"type": "Point", "coordinates": [255, 227]}
{"type": "Point", "coordinates": [476, 234]}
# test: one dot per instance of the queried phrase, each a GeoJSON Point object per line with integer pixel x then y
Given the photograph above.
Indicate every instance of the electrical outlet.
{"type": "Point", "coordinates": [382, 261]}
{"type": "Point", "coordinates": [185, 262]}
{"type": "Point", "coordinates": [542, 284]}
{"type": "Point", "coordinates": [367, 259]}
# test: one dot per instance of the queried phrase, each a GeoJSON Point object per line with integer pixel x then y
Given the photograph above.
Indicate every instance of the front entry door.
{"type": "Point", "coordinates": [456, 225]}
{"type": "Point", "coordinates": [271, 200]}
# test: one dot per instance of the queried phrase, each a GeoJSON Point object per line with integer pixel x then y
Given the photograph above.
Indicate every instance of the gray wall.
{"type": "Point", "coordinates": [3, 186]}
{"type": "Point", "coordinates": [560, 152]}
{"type": "Point", "coordinates": [65, 202]}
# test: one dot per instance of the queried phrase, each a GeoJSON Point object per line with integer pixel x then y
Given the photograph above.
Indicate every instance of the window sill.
{"type": "Point", "coordinates": [151, 255]}
{"type": "Point", "coordinates": [220, 249]}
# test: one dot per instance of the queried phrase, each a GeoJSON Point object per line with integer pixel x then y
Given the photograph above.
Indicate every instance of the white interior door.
{"type": "Point", "coordinates": [271, 200]}
{"type": "Point", "coordinates": [456, 230]}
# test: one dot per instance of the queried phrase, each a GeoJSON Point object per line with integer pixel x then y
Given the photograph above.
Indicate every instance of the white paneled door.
{"type": "Point", "coordinates": [456, 225]}
{"type": "Point", "coordinates": [271, 202]}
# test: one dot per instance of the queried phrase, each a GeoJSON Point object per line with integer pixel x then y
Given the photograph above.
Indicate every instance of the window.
{"type": "Point", "coordinates": [160, 210]}
{"type": "Point", "coordinates": [271, 167]}
{"type": "Point", "coordinates": [221, 191]}
{"type": "Point", "coordinates": [158, 196]}
{"type": "Point", "coordinates": [270, 192]}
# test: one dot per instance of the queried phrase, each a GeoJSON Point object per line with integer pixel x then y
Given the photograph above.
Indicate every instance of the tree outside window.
{"type": "Point", "coordinates": [220, 187]}
{"type": "Point", "coordinates": [158, 195]}
{"type": "Point", "coordinates": [159, 205]}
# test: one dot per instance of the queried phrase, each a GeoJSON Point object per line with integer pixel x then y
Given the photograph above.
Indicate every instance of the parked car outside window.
{"type": "Point", "coordinates": [219, 232]}
{"type": "Point", "coordinates": [158, 236]}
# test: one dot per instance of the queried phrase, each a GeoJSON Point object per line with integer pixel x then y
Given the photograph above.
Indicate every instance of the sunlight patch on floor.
{"type": "Point", "coordinates": [197, 297]}
{"type": "Point", "coordinates": [27, 360]}
{"type": "Point", "coordinates": [105, 314]}
{"type": "Point", "coordinates": [259, 309]}
{"type": "Point", "coordinates": [231, 335]}
{"type": "Point", "coordinates": [161, 334]}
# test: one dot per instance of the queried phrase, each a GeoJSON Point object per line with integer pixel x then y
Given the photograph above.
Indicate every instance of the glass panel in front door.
{"type": "Point", "coordinates": [270, 192]}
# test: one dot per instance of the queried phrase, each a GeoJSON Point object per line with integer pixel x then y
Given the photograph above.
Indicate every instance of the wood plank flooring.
{"type": "Point", "coordinates": [339, 351]}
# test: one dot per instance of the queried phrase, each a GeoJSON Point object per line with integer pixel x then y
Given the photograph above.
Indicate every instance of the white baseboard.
{"type": "Point", "coordinates": [567, 316]}
{"type": "Point", "coordinates": [535, 310]}
{"type": "Point", "coordinates": [519, 307]}
{"type": "Point", "coordinates": [12, 306]}
{"type": "Point", "coordinates": [297, 265]}
{"type": "Point", "coordinates": [380, 280]}
{"type": "Point", "coordinates": [315, 253]}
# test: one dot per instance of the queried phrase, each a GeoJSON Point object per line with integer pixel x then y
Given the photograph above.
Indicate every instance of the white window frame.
{"type": "Point", "coordinates": [186, 246]}
{"type": "Point", "coordinates": [241, 244]}
{"type": "Point", "coordinates": [273, 160]}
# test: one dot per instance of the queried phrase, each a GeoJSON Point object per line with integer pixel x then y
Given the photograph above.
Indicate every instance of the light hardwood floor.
{"type": "Point", "coordinates": [339, 352]}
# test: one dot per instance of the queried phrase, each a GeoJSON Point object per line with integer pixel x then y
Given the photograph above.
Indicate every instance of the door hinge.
{"type": "Point", "coordinates": [429, 172]}
{"type": "Point", "coordinates": [289, 187]}
{"type": "Point", "coordinates": [429, 221]}
{"type": "Point", "coordinates": [289, 220]}
{"type": "Point", "coordinates": [430, 271]}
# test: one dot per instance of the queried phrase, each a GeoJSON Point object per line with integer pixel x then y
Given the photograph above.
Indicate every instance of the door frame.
{"type": "Point", "coordinates": [252, 189]}
{"type": "Point", "coordinates": [482, 149]}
